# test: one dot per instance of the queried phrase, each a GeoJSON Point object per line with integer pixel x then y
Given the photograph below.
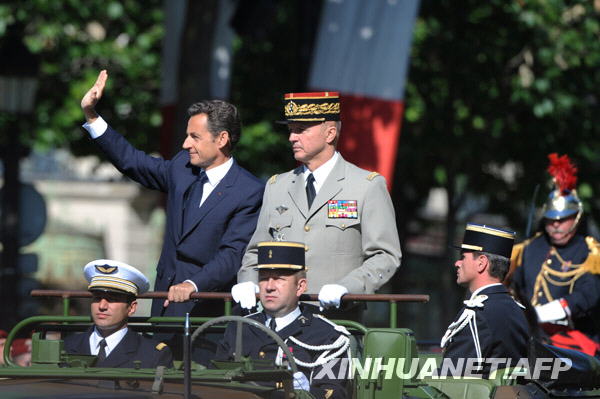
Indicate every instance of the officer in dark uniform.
{"type": "Point", "coordinates": [319, 346]}
{"type": "Point", "coordinates": [114, 286]}
{"type": "Point", "coordinates": [492, 324]}
{"type": "Point", "coordinates": [558, 269]}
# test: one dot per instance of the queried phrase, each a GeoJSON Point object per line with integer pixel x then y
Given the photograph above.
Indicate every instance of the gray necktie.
{"type": "Point", "coordinates": [102, 351]}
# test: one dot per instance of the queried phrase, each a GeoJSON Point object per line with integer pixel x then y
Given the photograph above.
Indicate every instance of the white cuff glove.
{"type": "Point", "coordinates": [331, 294]}
{"type": "Point", "coordinates": [550, 312]}
{"type": "Point", "coordinates": [245, 294]}
{"type": "Point", "coordinates": [300, 381]}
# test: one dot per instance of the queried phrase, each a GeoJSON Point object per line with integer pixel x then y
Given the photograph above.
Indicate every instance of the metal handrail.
{"type": "Point", "coordinates": [392, 299]}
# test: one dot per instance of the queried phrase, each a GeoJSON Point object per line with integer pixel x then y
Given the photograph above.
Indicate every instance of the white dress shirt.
{"type": "Point", "coordinates": [478, 290]}
{"type": "Point", "coordinates": [96, 128]}
{"type": "Point", "coordinates": [111, 341]}
{"type": "Point", "coordinates": [284, 321]}
{"type": "Point", "coordinates": [214, 175]}
{"type": "Point", "coordinates": [320, 174]}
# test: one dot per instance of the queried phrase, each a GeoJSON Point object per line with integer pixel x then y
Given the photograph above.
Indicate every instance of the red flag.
{"type": "Point", "coordinates": [370, 133]}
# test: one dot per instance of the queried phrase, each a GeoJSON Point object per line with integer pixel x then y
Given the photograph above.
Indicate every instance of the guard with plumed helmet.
{"type": "Point", "coordinates": [558, 270]}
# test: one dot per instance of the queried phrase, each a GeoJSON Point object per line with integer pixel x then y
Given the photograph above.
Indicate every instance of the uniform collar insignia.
{"type": "Point", "coordinates": [106, 269]}
{"type": "Point", "coordinates": [281, 209]}
{"type": "Point", "coordinates": [476, 302]}
{"type": "Point", "coordinates": [302, 319]}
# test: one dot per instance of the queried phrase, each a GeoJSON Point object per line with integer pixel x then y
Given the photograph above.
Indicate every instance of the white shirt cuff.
{"type": "Point", "coordinates": [192, 283]}
{"type": "Point", "coordinates": [96, 128]}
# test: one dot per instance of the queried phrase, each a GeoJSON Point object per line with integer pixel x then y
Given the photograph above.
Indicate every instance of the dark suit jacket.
{"type": "Point", "coordinates": [307, 328]}
{"type": "Point", "coordinates": [210, 252]}
{"type": "Point", "coordinates": [501, 327]}
{"type": "Point", "coordinates": [132, 347]}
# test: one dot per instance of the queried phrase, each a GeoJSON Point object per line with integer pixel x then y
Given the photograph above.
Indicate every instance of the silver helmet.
{"type": "Point", "coordinates": [563, 200]}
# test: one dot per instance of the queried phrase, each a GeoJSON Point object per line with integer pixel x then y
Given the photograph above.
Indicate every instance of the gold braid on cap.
{"type": "Point", "coordinates": [293, 109]}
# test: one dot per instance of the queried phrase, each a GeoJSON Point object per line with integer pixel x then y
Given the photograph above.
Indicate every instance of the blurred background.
{"type": "Point", "coordinates": [457, 104]}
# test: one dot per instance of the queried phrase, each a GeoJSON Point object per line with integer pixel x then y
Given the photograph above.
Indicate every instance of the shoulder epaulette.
{"type": "Point", "coordinates": [372, 175]}
{"type": "Point", "coordinates": [592, 263]}
{"type": "Point", "coordinates": [516, 258]}
{"type": "Point", "coordinates": [338, 328]}
{"type": "Point", "coordinates": [161, 346]}
{"type": "Point", "coordinates": [273, 179]}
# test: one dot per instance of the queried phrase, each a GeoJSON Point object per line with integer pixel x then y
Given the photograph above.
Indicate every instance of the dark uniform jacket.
{"type": "Point", "coordinates": [501, 327]}
{"type": "Point", "coordinates": [210, 251]}
{"type": "Point", "coordinates": [308, 328]}
{"type": "Point", "coordinates": [132, 347]}
{"type": "Point", "coordinates": [582, 293]}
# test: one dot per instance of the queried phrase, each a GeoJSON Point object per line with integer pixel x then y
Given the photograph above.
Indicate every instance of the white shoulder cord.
{"type": "Point", "coordinates": [467, 317]}
{"type": "Point", "coordinates": [341, 344]}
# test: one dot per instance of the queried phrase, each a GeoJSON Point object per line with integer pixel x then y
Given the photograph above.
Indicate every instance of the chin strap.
{"type": "Point", "coordinates": [579, 213]}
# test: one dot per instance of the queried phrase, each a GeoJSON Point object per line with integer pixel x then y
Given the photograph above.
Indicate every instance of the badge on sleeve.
{"type": "Point", "coordinates": [347, 209]}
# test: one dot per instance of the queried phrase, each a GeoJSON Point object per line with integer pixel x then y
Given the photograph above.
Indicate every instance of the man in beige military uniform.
{"type": "Point", "coordinates": [343, 213]}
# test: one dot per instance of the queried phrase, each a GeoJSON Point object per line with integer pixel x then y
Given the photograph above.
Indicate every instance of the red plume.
{"type": "Point", "coordinates": [563, 171]}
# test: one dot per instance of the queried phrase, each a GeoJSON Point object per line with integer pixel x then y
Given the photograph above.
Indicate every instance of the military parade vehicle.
{"type": "Point", "coordinates": [386, 364]}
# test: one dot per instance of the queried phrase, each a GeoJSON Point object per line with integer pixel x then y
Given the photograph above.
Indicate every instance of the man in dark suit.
{"type": "Point", "coordinates": [319, 346]}
{"type": "Point", "coordinates": [212, 203]}
{"type": "Point", "coordinates": [491, 325]}
{"type": "Point", "coordinates": [114, 286]}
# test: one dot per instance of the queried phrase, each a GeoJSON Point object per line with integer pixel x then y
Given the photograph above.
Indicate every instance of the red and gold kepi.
{"type": "Point", "coordinates": [311, 107]}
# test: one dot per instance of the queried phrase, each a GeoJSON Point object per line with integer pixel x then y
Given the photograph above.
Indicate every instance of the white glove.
{"type": "Point", "coordinates": [300, 381]}
{"type": "Point", "coordinates": [331, 294]}
{"type": "Point", "coordinates": [550, 312]}
{"type": "Point", "coordinates": [245, 294]}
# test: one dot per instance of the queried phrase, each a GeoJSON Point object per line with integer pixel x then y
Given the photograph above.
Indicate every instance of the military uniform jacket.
{"type": "Point", "coordinates": [358, 249]}
{"type": "Point", "coordinates": [209, 252]}
{"type": "Point", "coordinates": [132, 347]}
{"type": "Point", "coordinates": [308, 328]}
{"type": "Point", "coordinates": [500, 325]}
{"type": "Point", "coordinates": [541, 277]}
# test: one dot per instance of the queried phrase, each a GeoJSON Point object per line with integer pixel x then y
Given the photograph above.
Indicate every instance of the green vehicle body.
{"type": "Point", "coordinates": [56, 374]}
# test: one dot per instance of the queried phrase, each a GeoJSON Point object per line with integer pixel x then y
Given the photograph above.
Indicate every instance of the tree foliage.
{"type": "Point", "coordinates": [74, 40]}
{"type": "Point", "coordinates": [494, 87]}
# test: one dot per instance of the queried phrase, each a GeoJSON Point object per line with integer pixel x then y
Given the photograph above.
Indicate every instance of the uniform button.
{"type": "Point", "coordinates": [261, 355]}
{"type": "Point", "coordinates": [549, 262]}
{"type": "Point", "coordinates": [277, 227]}
{"type": "Point", "coordinates": [307, 228]}
{"type": "Point", "coordinates": [306, 248]}
{"type": "Point", "coordinates": [540, 294]}
{"type": "Point", "coordinates": [343, 225]}
{"type": "Point", "coordinates": [546, 272]}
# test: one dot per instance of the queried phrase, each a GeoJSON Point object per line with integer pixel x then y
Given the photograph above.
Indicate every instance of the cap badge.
{"type": "Point", "coordinates": [291, 107]}
{"type": "Point", "coordinates": [106, 269]}
{"type": "Point", "coordinates": [270, 254]}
